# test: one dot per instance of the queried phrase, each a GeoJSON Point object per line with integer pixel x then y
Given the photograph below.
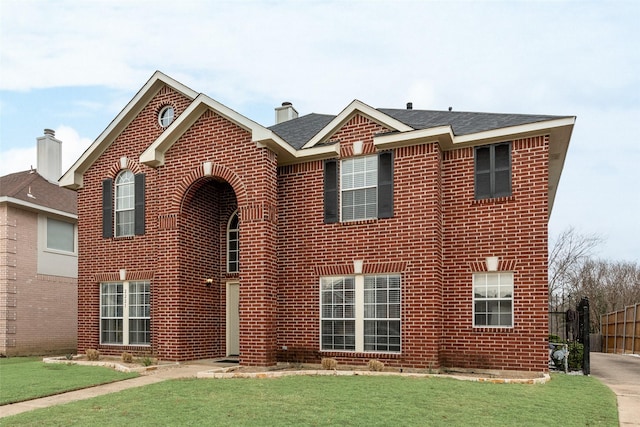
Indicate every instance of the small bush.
{"type": "Point", "coordinates": [147, 360]}
{"type": "Point", "coordinates": [92, 354]}
{"type": "Point", "coordinates": [329, 364]}
{"type": "Point", "coordinates": [127, 357]}
{"type": "Point", "coordinates": [68, 356]}
{"type": "Point", "coordinates": [375, 365]}
{"type": "Point", "coordinates": [555, 338]}
{"type": "Point", "coordinates": [576, 354]}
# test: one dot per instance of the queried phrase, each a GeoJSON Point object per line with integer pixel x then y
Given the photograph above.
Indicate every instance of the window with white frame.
{"type": "Point", "coordinates": [360, 313]}
{"type": "Point", "coordinates": [61, 235]}
{"type": "Point", "coordinates": [125, 313]}
{"type": "Point", "coordinates": [233, 244]}
{"type": "Point", "coordinates": [493, 299]}
{"type": "Point", "coordinates": [359, 188]}
{"type": "Point", "coordinates": [125, 204]}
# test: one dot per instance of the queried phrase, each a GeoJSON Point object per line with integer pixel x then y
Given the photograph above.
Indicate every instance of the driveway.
{"type": "Point", "coordinates": [621, 373]}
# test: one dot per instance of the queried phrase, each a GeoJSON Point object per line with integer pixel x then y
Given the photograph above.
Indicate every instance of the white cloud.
{"type": "Point", "coordinates": [21, 159]}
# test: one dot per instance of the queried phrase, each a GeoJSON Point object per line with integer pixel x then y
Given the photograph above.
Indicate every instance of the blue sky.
{"type": "Point", "coordinates": [73, 65]}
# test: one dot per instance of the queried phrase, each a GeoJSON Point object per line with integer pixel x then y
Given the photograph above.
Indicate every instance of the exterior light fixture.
{"type": "Point", "coordinates": [209, 282]}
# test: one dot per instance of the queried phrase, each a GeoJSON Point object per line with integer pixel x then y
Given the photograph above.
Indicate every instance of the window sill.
{"type": "Point", "coordinates": [358, 222]}
{"type": "Point", "coordinates": [353, 353]}
{"type": "Point", "coordinates": [493, 329]}
{"type": "Point", "coordinates": [494, 200]}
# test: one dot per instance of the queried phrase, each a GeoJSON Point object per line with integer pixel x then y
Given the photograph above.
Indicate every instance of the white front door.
{"type": "Point", "coordinates": [233, 319]}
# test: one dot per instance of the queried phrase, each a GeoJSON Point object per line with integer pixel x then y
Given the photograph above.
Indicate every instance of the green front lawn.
{"type": "Point", "coordinates": [24, 378]}
{"type": "Point", "coordinates": [341, 401]}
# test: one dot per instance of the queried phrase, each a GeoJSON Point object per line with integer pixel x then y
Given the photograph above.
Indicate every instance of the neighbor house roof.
{"type": "Point", "coordinates": [31, 191]}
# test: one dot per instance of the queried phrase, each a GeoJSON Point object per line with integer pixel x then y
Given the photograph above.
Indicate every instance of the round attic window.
{"type": "Point", "coordinates": [165, 117]}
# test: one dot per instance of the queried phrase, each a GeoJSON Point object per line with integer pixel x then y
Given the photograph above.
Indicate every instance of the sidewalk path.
{"type": "Point", "coordinates": [621, 373]}
{"type": "Point", "coordinates": [150, 377]}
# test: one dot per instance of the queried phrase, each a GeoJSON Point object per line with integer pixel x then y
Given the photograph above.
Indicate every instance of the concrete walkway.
{"type": "Point", "coordinates": [149, 377]}
{"type": "Point", "coordinates": [621, 373]}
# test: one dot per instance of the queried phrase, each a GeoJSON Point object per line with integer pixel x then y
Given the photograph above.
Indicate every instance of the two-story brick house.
{"type": "Point", "coordinates": [418, 238]}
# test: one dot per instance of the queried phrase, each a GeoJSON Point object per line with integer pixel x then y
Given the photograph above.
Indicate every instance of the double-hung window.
{"type": "Point", "coordinates": [493, 299]}
{"type": "Point", "coordinates": [123, 205]}
{"type": "Point", "coordinates": [493, 171]}
{"type": "Point", "coordinates": [360, 313]}
{"type": "Point", "coordinates": [358, 188]}
{"type": "Point", "coordinates": [125, 313]}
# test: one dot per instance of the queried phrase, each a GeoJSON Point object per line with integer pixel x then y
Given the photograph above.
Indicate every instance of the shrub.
{"type": "Point", "coordinates": [92, 354]}
{"type": "Point", "coordinates": [576, 354]}
{"type": "Point", "coordinates": [329, 363]}
{"type": "Point", "coordinates": [147, 360]}
{"type": "Point", "coordinates": [555, 338]}
{"type": "Point", "coordinates": [127, 357]}
{"type": "Point", "coordinates": [375, 365]}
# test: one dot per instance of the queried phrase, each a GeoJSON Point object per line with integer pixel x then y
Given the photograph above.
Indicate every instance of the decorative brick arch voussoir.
{"type": "Point", "coordinates": [132, 165]}
{"type": "Point", "coordinates": [218, 171]}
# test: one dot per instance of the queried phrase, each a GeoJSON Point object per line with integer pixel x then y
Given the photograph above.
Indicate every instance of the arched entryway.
{"type": "Point", "coordinates": [209, 266]}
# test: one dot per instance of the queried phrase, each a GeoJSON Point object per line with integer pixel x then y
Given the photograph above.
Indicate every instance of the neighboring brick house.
{"type": "Point", "coordinates": [38, 258]}
{"type": "Point", "coordinates": [418, 238]}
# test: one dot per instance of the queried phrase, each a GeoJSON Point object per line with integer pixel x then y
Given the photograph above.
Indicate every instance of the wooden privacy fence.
{"type": "Point", "coordinates": [621, 330]}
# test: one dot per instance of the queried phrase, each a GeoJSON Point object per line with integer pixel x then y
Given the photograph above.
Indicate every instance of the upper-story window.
{"type": "Point", "coordinates": [233, 244]}
{"type": "Point", "coordinates": [123, 205]}
{"type": "Point", "coordinates": [61, 235]}
{"type": "Point", "coordinates": [358, 188]}
{"type": "Point", "coordinates": [166, 115]}
{"type": "Point", "coordinates": [493, 171]}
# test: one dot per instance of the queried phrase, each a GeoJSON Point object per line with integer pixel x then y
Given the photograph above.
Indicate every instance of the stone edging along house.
{"type": "Point", "coordinates": [418, 238]}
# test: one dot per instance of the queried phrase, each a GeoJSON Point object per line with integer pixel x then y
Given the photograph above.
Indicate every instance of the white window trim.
{"type": "Point", "coordinates": [341, 188]}
{"type": "Point", "coordinates": [228, 246]}
{"type": "Point", "coordinates": [169, 119]}
{"type": "Point", "coordinates": [125, 315]}
{"type": "Point", "coordinates": [359, 315]}
{"type": "Point", "coordinates": [512, 299]}
{"type": "Point", "coordinates": [117, 210]}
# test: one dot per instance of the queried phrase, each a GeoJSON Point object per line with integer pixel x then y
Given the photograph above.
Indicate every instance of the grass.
{"type": "Point", "coordinates": [24, 378]}
{"type": "Point", "coordinates": [344, 401]}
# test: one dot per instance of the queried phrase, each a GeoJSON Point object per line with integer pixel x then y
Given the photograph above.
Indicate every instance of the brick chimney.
{"type": "Point", "coordinates": [49, 156]}
{"type": "Point", "coordinates": [285, 113]}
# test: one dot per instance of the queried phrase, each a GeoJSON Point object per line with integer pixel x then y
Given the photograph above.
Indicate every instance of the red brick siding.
{"type": "Point", "coordinates": [512, 228]}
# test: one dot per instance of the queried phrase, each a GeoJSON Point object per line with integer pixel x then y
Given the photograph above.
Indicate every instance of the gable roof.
{"type": "Point", "coordinates": [73, 177]}
{"type": "Point", "coordinates": [30, 190]}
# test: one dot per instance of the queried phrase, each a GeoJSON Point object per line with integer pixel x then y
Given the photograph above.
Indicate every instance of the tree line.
{"type": "Point", "coordinates": [574, 273]}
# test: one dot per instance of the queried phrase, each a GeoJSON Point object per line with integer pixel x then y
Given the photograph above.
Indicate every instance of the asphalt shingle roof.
{"type": "Point", "coordinates": [297, 132]}
{"type": "Point", "coordinates": [45, 194]}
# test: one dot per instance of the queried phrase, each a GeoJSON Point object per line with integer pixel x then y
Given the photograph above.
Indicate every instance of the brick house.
{"type": "Point", "coordinates": [418, 238]}
{"type": "Point", "coordinates": [38, 258]}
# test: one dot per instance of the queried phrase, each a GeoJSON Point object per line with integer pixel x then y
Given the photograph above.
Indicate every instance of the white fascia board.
{"type": "Point", "coordinates": [154, 155]}
{"type": "Point", "coordinates": [442, 134]}
{"type": "Point", "coordinates": [36, 208]}
{"type": "Point", "coordinates": [73, 177]}
{"type": "Point", "coordinates": [348, 112]}
{"type": "Point", "coordinates": [520, 131]}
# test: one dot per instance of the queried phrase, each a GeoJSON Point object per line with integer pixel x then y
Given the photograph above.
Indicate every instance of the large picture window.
{"type": "Point", "coordinates": [493, 299]}
{"type": "Point", "coordinates": [125, 313]}
{"type": "Point", "coordinates": [360, 313]}
{"type": "Point", "coordinates": [493, 171]}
